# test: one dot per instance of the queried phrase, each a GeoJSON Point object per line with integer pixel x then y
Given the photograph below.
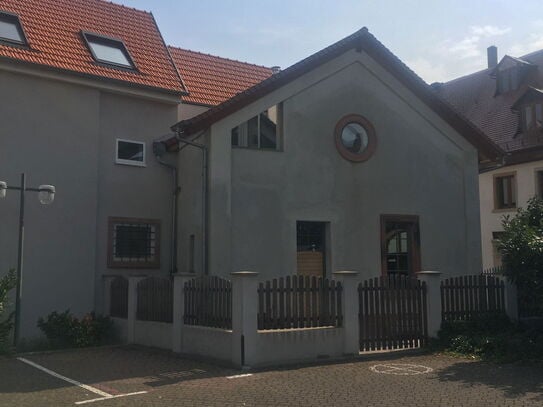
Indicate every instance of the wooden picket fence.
{"type": "Point", "coordinates": [118, 304]}
{"type": "Point", "coordinates": [155, 300]}
{"type": "Point", "coordinates": [299, 302]}
{"type": "Point", "coordinates": [208, 302]}
{"type": "Point", "coordinates": [392, 313]}
{"type": "Point", "coordinates": [467, 297]}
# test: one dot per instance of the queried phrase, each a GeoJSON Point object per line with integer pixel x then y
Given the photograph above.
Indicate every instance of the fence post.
{"type": "Point", "coordinates": [511, 300]}
{"type": "Point", "coordinates": [132, 307]}
{"type": "Point", "coordinates": [244, 317]}
{"type": "Point", "coordinates": [179, 281]}
{"type": "Point", "coordinates": [433, 298]}
{"type": "Point", "coordinates": [351, 329]}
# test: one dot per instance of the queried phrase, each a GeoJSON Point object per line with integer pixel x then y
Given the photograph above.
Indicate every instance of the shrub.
{"type": "Point", "coordinates": [521, 247]}
{"type": "Point", "coordinates": [7, 283]}
{"type": "Point", "coordinates": [492, 337]}
{"type": "Point", "coordinates": [64, 330]}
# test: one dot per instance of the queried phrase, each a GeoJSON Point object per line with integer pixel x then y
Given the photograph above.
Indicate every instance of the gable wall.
{"type": "Point", "coordinates": [421, 167]}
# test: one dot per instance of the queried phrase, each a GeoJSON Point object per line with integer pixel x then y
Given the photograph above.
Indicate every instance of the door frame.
{"type": "Point", "coordinates": [414, 248]}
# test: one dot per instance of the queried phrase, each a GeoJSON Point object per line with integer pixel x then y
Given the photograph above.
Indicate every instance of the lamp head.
{"type": "Point", "coordinates": [46, 194]}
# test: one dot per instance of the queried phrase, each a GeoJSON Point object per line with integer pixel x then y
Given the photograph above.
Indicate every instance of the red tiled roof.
{"type": "Point", "coordinates": [210, 80]}
{"type": "Point", "coordinates": [361, 39]}
{"type": "Point", "coordinates": [475, 97]}
{"type": "Point", "coordinates": [53, 30]}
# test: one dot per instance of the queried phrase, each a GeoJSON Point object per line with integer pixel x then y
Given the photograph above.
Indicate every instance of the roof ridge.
{"type": "Point", "coordinates": [218, 56]}
{"type": "Point", "coordinates": [123, 6]}
{"type": "Point", "coordinates": [465, 76]}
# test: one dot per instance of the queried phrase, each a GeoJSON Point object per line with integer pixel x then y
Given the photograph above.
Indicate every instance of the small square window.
{"type": "Point", "coordinates": [109, 51]}
{"type": "Point", "coordinates": [505, 196]}
{"type": "Point", "coordinates": [130, 153]}
{"type": "Point", "coordinates": [11, 30]}
{"type": "Point", "coordinates": [134, 243]}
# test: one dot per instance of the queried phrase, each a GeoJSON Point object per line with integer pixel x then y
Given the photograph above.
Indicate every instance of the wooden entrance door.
{"type": "Point", "coordinates": [400, 245]}
{"type": "Point", "coordinates": [310, 237]}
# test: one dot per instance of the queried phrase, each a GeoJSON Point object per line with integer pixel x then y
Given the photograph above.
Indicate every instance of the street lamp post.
{"type": "Point", "coordinates": [46, 195]}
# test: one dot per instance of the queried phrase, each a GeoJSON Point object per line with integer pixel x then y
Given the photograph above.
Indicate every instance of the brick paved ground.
{"type": "Point", "coordinates": [171, 380]}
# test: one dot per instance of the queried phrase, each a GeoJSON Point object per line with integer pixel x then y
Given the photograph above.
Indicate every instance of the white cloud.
{"type": "Point", "coordinates": [427, 70]}
{"type": "Point", "coordinates": [489, 30]}
{"type": "Point", "coordinates": [534, 43]}
{"type": "Point", "coordinates": [463, 49]}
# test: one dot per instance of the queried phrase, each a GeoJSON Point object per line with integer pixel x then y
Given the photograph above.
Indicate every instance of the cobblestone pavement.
{"type": "Point", "coordinates": [391, 380]}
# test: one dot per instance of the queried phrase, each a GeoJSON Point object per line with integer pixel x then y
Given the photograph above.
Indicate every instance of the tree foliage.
{"type": "Point", "coordinates": [7, 283]}
{"type": "Point", "coordinates": [521, 247]}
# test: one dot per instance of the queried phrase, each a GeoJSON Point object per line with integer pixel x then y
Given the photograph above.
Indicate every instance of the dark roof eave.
{"type": "Point", "coordinates": [361, 40]}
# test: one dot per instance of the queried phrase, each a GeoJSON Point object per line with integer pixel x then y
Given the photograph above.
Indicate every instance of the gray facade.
{"type": "Point", "coordinates": [61, 130]}
{"type": "Point", "coordinates": [422, 166]}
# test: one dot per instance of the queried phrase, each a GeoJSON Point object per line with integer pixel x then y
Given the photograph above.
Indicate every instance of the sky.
{"type": "Point", "coordinates": [439, 39]}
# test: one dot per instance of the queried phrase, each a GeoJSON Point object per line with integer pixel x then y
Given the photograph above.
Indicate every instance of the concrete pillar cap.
{"type": "Point", "coordinates": [429, 273]}
{"type": "Point", "coordinates": [345, 273]}
{"type": "Point", "coordinates": [244, 273]}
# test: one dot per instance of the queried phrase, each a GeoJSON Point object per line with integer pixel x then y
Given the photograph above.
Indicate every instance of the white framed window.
{"type": "Point", "coordinates": [129, 152]}
{"type": "Point", "coordinates": [108, 50]}
{"type": "Point", "coordinates": [262, 132]}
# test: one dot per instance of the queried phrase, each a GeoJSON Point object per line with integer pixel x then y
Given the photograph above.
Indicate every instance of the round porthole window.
{"type": "Point", "coordinates": [355, 138]}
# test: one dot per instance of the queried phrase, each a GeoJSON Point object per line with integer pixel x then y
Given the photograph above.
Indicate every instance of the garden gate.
{"type": "Point", "coordinates": [392, 313]}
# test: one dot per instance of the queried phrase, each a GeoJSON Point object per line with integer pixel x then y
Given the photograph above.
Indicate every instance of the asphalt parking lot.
{"type": "Point", "coordinates": [135, 376]}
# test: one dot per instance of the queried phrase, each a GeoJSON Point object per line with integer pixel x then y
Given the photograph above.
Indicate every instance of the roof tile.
{"type": "Point", "coordinates": [211, 80]}
{"type": "Point", "coordinates": [53, 30]}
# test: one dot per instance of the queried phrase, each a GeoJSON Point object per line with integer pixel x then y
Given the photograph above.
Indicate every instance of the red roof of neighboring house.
{"type": "Point", "coordinates": [210, 80]}
{"type": "Point", "coordinates": [53, 30]}
{"type": "Point", "coordinates": [361, 40]}
{"type": "Point", "coordinates": [476, 98]}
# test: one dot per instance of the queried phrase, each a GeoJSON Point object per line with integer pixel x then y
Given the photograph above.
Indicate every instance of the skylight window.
{"type": "Point", "coordinates": [11, 29]}
{"type": "Point", "coordinates": [109, 51]}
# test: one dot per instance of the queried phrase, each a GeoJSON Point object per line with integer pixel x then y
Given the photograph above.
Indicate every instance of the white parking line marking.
{"type": "Point", "coordinates": [66, 379]}
{"type": "Point", "coordinates": [105, 396]}
{"type": "Point", "coordinates": [239, 375]}
{"type": "Point", "coordinates": [110, 397]}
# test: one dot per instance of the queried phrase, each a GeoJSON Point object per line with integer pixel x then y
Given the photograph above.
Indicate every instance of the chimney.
{"type": "Point", "coordinates": [492, 55]}
{"type": "Point", "coordinates": [275, 69]}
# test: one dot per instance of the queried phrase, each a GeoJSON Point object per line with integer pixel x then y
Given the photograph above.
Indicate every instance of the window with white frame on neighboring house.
{"type": "Point", "coordinates": [109, 51]}
{"type": "Point", "coordinates": [260, 132]}
{"type": "Point", "coordinates": [11, 30]}
{"type": "Point", "coordinates": [505, 191]}
{"type": "Point", "coordinates": [133, 242]}
{"type": "Point", "coordinates": [532, 116]}
{"type": "Point", "coordinates": [130, 152]}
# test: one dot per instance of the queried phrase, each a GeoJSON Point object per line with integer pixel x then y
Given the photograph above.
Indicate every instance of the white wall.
{"type": "Point", "coordinates": [491, 219]}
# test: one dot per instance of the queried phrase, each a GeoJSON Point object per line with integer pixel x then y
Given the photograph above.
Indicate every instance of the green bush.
{"type": "Point", "coordinates": [521, 247]}
{"type": "Point", "coordinates": [63, 330]}
{"type": "Point", "coordinates": [7, 283]}
{"type": "Point", "coordinates": [492, 337]}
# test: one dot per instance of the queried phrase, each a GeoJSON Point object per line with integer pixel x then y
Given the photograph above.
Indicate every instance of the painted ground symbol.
{"type": "Point", "coordinates": [401, 369]}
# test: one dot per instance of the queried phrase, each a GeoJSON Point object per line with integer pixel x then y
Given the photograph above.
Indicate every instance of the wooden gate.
{"type": "Point", "coordinates": [392, 313]}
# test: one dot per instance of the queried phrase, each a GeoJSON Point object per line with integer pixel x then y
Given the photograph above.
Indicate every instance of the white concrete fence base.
{"type": "Point", "coordinates": [245, 345]}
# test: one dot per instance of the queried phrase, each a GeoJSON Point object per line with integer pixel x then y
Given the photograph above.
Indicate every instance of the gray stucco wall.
{"type": "Point", "coordinates": [421, 167]}
{"type": "Point", "coordinates": [64, 134]}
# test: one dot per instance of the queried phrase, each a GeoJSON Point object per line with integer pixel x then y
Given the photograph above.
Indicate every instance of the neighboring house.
{"type": "Point", "coordinates": [506, 102]}
{"type": "Point", "coordinates": [86, 86]}
{"type": "Point", "coordinates": [344, 161]}
{"type": "Point", "coordinates": [211, 80]}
